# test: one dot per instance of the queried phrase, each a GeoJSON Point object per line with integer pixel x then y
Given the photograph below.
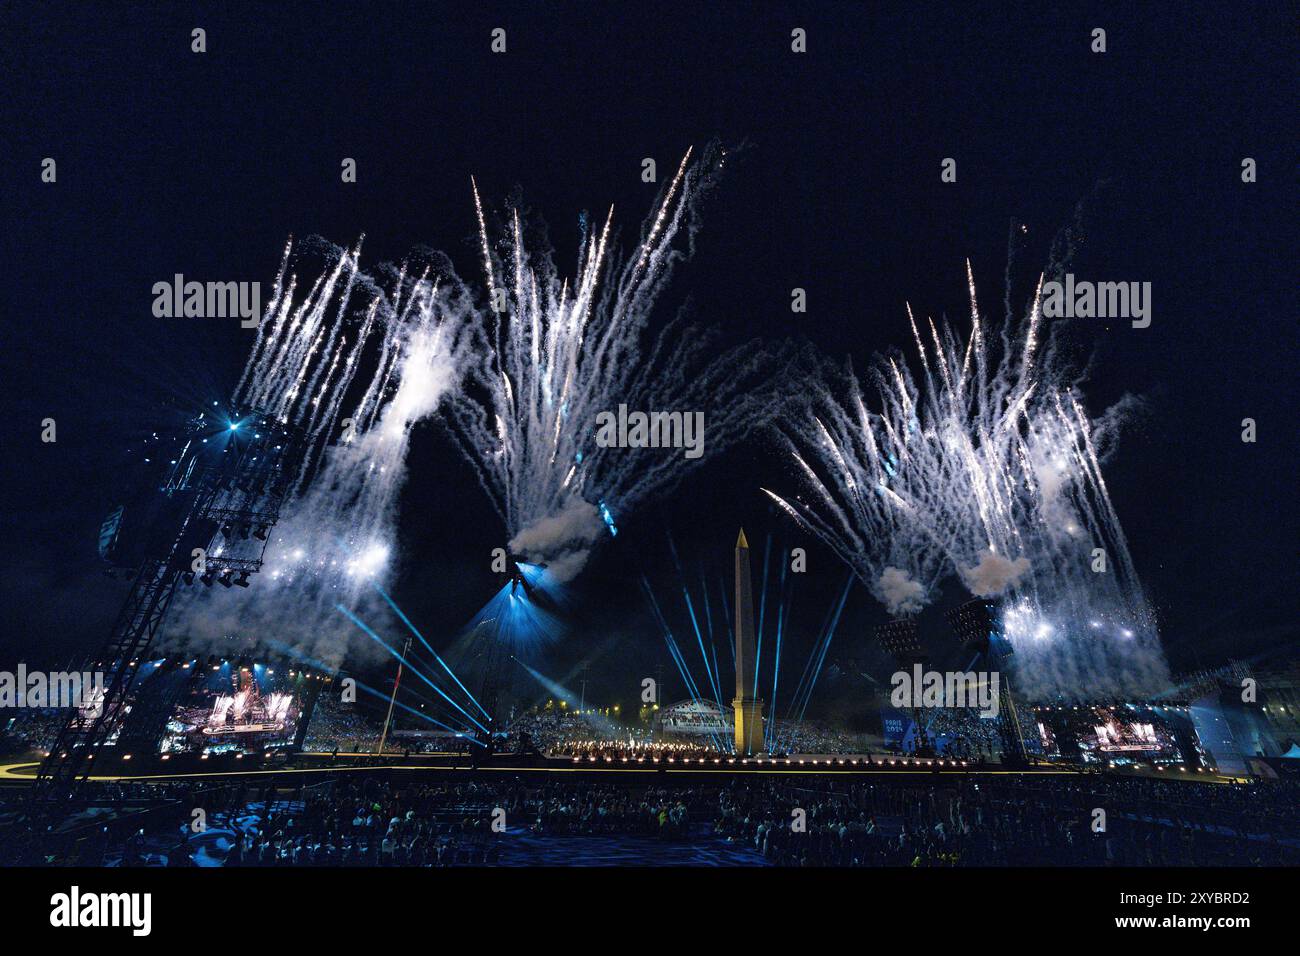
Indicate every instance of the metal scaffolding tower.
{"type": "Point", "coordinates": [210, 517]}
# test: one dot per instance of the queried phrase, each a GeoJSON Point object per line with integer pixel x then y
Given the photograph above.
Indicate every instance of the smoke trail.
{"type": "Point", "coordinates": [337, 530]}
{"type": "Point", "coordinates": [567, 350]}
{"type": "Point", "coordinates": [982, 465]}
{"type": "Point", "coordinates": [851, 461]}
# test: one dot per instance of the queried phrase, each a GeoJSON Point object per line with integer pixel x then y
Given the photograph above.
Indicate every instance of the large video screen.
{"type": "Point", "coordinates": [234, 709]}
{"type": "Point", "coordinates": [1107, 734]}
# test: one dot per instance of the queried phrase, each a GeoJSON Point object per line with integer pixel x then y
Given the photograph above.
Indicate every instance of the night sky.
{"type": "Point", "coordinates": [172, 162]}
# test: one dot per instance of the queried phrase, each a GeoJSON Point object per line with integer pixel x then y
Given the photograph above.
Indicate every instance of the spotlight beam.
{"type": "Point", "coordinates": [819, 654]}
{"type": "Point", "coordinates": [319, 665]}
{"type": "Point", "coordinates": [695, 625]}
{"type": "Point", "coordinates": [676, 653]}
{"type": "Point", "coordinates": [422, 716]}
{"type": "Point", "coordinates": [414, 670]}
{"type": "Point", "coordinates": [407, 622]}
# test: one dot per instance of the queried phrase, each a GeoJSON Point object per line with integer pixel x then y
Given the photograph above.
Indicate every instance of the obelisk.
{"type": "Point", "coordinates": [748, 708]}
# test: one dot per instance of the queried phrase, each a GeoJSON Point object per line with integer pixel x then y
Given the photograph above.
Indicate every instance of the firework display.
{"type": "Point", "coordinates": [981, 465]}
{"type": "Point", "coordinates": [338, 530]}
{"type": "Point", "coordinates": [599, 436]}
{"type": "Point", "coordinates": [567, 351]}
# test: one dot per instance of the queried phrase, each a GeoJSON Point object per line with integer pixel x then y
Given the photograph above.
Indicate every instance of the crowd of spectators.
{"type": "Point", "coordinates": [1018, 823]}
{"type": "Point", "coordinates": [814, 737]}
{"type": "Point", "coordinates": [29, 729]}
{"type": "Point", "coordinates": [370, 824]}
{"type": "Point", "coordinates": [338, 726]}
{"type": "Point", "coordinates": [555, 730]}
{"type": "Point", "coordinates": [962, 820]}
{"type": "Point", "coordinates": [963, 733]}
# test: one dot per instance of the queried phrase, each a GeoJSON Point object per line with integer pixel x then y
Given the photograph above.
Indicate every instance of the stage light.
{"type": "Point", "coordinates": [226, 580]}
{"type": "Point", "coordinates": [242, 580]}
{"type": "Point", "coordinates": [188, 577]}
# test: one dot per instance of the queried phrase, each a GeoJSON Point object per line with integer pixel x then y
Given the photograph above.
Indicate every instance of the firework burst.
{"type": "Point", "coordinates": [568, 349]}
{"type": "Point", "coordinates": [980, 463]}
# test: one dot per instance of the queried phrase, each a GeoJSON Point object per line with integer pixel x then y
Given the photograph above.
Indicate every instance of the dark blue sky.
{"type": "Point", "coordinates": [174, 162]}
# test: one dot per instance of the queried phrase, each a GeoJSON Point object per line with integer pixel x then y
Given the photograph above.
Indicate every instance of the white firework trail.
{"type": "Point", "coordinates": [983, 467]}
{"type": "Point", "coordinates": [337, 533]}
{"type": "Point", "coordinates": [567, 350]}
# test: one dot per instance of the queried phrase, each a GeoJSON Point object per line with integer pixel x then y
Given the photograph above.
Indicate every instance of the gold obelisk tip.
{"type": "Point", "coordinates": [741, 542]}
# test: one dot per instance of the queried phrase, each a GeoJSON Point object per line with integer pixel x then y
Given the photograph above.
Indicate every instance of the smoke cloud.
{"type": "Point", "coordinates": [899, 593]}
{"type": "Point", "coordinates": [993, 574]}
{"type": "Point", "coordinates": [568, 349]}
{"type": "Point", "coordinates": [979, 461]}
{"type": "Point", "coordinates": [337, 531]}
{"type": "Point", "coordinates": [561, 541]}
